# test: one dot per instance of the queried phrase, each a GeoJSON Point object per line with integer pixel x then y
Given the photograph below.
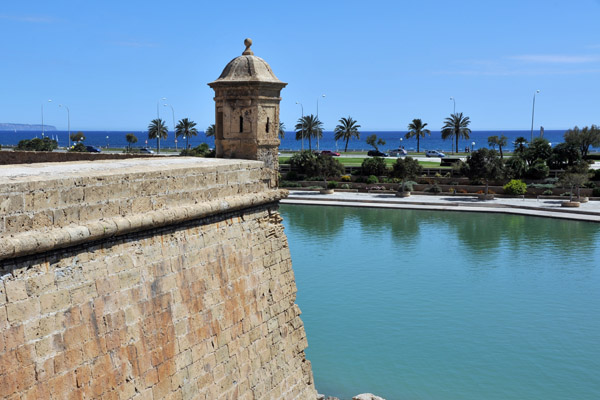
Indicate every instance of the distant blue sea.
{"type": "Point", "coordinates": [393, 139]}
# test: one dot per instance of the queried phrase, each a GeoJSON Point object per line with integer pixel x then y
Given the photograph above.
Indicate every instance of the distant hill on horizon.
{"type": "Point", "coordinates": [25, 127]}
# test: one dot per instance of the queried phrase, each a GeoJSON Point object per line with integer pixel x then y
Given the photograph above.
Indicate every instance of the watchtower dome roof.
{"type": "Point", "coordinates": [247, 68]}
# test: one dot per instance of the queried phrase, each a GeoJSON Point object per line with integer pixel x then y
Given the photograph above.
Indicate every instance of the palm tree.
{"type": "Point", "coordinates": [210, 131]}
{"type": "Point", "coordinates": [502, 142]}
{"type": "Point", "coordinates": [347, 129]}
{"type": "Point", "coordinates": [131, 138]}
{"type": "Point", "coordinates": [281, 130]}
{"type": "Point", "coordinates": [520, 143]}
{"type": "Point", "coordinates": [456, 126]}
{"type": "Point", "coordinates": [417, 129]}
{"type": "Point", "coordinates": [309, 126]}
{"type": "Point", "coordinates": [157, 130]}
{"type": "Point", "coordinates": [186, 128]}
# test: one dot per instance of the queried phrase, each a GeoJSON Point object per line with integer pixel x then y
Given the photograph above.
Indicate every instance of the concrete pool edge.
{"type": "Point", "coordinates": [527, 207]}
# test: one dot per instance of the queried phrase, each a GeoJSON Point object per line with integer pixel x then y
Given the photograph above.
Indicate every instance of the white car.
{"type": "Point", "coordinates": [434, 153]}
{"type": "Point", "coordinates": [398, 153]}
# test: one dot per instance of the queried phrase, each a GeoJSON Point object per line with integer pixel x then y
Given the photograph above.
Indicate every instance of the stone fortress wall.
{"type": "Point", "coordinates": [149, 278]}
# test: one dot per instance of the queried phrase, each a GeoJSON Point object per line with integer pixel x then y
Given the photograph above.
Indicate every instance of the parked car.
{"type": "Point", "coordinates": [434, 153]}
{"type": "Point", "coordinates": [377, 153]}
{"type": "Point", "coordinates": [146, 150]}
{"type": "Point", "coordinates": [398, 153]}
{"type": "Point", "coordinates": [330, 153]}
{"type": "Point", "coordinates": [92, 149]}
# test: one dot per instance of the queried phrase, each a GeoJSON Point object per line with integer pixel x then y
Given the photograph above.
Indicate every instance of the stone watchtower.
{"type": "Point", "coordinates": [247, 110]}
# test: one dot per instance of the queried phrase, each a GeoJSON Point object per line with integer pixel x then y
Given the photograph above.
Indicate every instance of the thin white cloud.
{"type": "Point", "coordinates": [516, 72]}
{"type": "Point", "coordinates": [34, 19]}
{"type": "Point", "coordinates": [555, 58]}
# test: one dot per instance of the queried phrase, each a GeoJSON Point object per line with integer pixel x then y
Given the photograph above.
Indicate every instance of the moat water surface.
{"type": "Point", "coordinates": [447, 305]}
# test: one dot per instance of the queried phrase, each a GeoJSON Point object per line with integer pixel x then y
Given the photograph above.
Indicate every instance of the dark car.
{"type": "Point", "coordinates": [92, 149]}
{"type": "Point", "coordinates": [330, 153]}
{"type": "Point", "coordinates": [377, 153]}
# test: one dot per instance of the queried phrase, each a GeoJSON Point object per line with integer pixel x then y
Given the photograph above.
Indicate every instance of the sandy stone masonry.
{"type": "Point", "coordinates": [153, 279]}
{"type": "Point", "coordinates": [43, 197]}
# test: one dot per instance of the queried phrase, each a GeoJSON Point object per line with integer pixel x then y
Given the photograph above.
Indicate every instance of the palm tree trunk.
{"type": "Point", "coordinates": [501, 155]}
{"type": "Point", "coordinates": [158, 144]}
{"type": "Point", "coordinates": [346, 148]}
{"type": "Point", "coordinates": [417, 143]}
{"type": "Point", "coordinates": [309, 144]}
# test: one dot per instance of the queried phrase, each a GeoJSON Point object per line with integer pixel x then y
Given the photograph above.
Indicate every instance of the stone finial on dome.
{"type": "Point", "coordinates": [248, 43]}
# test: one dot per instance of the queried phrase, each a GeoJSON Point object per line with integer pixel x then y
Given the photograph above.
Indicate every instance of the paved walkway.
{"type": "Point", "coordinates": [534, 207]}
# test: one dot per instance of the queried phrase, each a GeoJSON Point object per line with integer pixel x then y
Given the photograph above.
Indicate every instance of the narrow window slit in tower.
{"type": "Point", "coordinates": [241, 124]}
{"type": "Point", "coordinates": [267, 124]}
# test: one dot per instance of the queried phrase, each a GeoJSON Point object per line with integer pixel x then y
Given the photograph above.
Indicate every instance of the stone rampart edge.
{"type": "Point", "coordinates": [32, 242]}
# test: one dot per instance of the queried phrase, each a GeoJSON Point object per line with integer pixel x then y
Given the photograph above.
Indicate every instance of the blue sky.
{"type": "Point", "coordinates": [381, 62]}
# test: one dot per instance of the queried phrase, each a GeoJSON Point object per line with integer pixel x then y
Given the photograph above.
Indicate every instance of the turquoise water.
{"type": "Point", "coordinates": [447, 305]}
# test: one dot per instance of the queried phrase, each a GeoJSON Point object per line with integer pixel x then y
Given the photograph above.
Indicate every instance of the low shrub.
{"type": "Point", "coordinates": [434, 189]}
{"type": "Point", "coordinates": [292, 176]}
{"type": "Point", "coordinates": [201, 150]}
{"type": "Point", "coordinates": [596, 176]}
{"type": "Point", "coordinates": [374, 166]}
{"type": "Point", "coordinates": [589, 185]}
{"type": "Point", "coordinates": [596, 192]}
{"type": "Point", "coordinates": [408, 186]}
{"type": "Point", "coordinates": [37, 144]}
{"type": "Point", "coordinates": [565, 194]}
{"type": "Point", "coordinates": [515, 187]}
{"type": "Point", "coordinates": [288, 184]}
{"type": "Point", "coordinates": [462, 191]}
{"type": "Point", "coordinates": [548, 192]}
{"type": "Point", "coordinates": [332, 185]}
{"type": "Point", "coordinates": [346, 178]}
{"type": "Point", "coordinates": [313, 165]}
{"type": "Point", "coordinates": [538, 170]}
{"type": "Point", "coordinates": [345, 186]}
{"type": "Point", "coordinates": [541, 185]}
{"type": "Point", "coordinates": [78, 148]}
{"type": "Point", "coordinates": [372, 179]}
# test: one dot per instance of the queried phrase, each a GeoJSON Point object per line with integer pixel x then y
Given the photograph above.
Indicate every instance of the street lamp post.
{"type": "Point", "coordinates": [68, 124]}
{"type": "Point", "coordinates": [106, 142]}
{"type": "Point", "coordinates": [533, 112]}
{"type": "Point", "coordinates": [49, 101]}
{"type": "Point", "coordinates": [173, 114]}
{"type": "Point", "coordinates": [302, 122]}
{"type": "Point", "coordinates": [157, 121]}
{"type": "Point", "coordinates": [454, 100]}
{"type": "Point", "coordinates": [318, 119]}
{"type": "Point", "coordinates": [472, 146]}
{"type": "Point", "coordinates": [157, 104]}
